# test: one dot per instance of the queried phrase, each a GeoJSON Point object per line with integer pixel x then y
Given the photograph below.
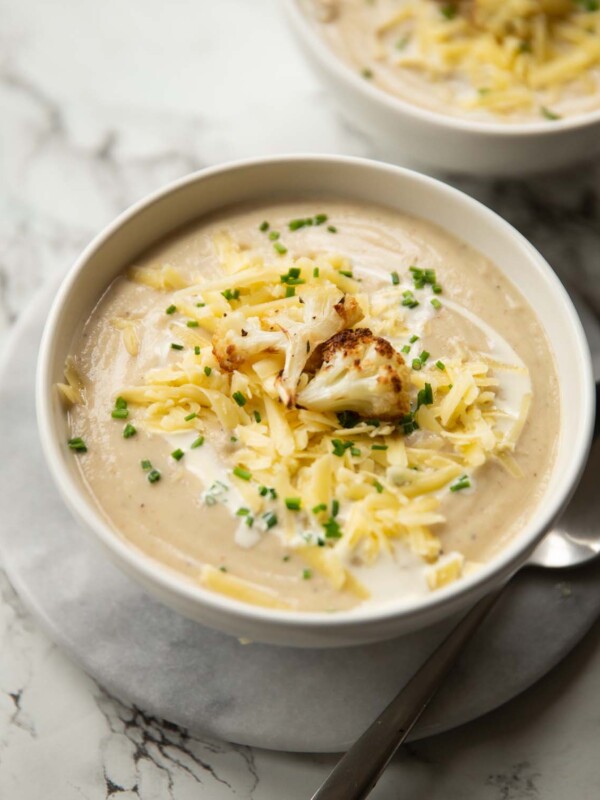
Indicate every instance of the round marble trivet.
{"type": "Point", "coordinates": [278, 698]}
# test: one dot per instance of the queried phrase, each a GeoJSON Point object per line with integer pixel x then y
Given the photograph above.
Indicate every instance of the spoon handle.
{"type": "Point", "coordinates": [355, 775]}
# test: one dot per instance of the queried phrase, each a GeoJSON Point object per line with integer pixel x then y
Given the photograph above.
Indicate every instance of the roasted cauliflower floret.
{"type": "Point", "coordinates": [323, 317]}
{"type": "Point", "coordinates": [360, 372]}
{"type": "Point", "coordinates": [239, 338]}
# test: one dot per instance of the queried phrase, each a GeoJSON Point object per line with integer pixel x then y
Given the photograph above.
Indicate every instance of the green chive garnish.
{"type": "Point", "coordinates": [332, 529]}
{"type": "Point", "coordinates": [414, 338]}
{"type": "Point", "coordinates": [197, 350]}
{"type": "Point", "coordinates": [462, 483]}
{"type": "Point", "coordinates": [440, 365]}
{"type": "Point", "coordinates": [378, 487]}
{"type": "Point", "coordinates": [264, 226]}
{"type": "Point", "coordinates": [257, 416]}
{"type": "Point", "coordinates": [354, 451]}
{"type": "Point", "coordinates": [306, 574]}
{"type": "Point", "coordinates": [231, 294]}
{"type": "Point", "coordinates": [367, 73]}
{"type": "Point", "coordinates": [207, 371]}
{"type": "Point", "coordinates": [320, 219]}
{"type": "Point", "coordinates": [340, 447]}
{"type": "Point", "coordinates": [332, 229]}
{"type": "Point", "coordinates": [77, 444]}
{"type": "Point", "coordinates": [270, 519]}
{"type": "Point", "coordinates": [379, 447]}
{"type": "Point", "coordinates": [177, 454]}
{"type": "Point", "coordinates": [119, 413]}
{"type": "Point", "coordinates": [145, 464]}
{"type": "Point", "coordinates": [416, 363]}
{"type": "Point", "coordinates": [200, 305]}
{"type": "Point", "coordinates": [129, 431]}
{"type": "Point", "coordinates": [153, 476]}
{"type": "Point", "coordinates": [280, 248]}
{"type": "Point", "coordinates": [171, 309]}
{"type": "Point", "coordinates": [191, 416]}
{"type": "Point", "coordinates": [316, 272]}
{"type": "Point", "coordinates": [406, 348]}
{"type": "Point", "coordinates": [395, 278]}
{"type": "Point", "coordinates": [293, 503]}
{"type": "Point", "coordinates": [274, 235]}
{"type": "Point", "coordinates": [551, 115]}
{"type": "Point", "coordinates": [347, 273]}
{"type": "Point", "coordinates": [435, 303]}
{"type": "Point", "coordinates": [175, 346]}
{"type": "Point", "coordinates": [319, 508]}
{"type": "Point", "coordinates": [192, 323]}
{"type": "Point", "coordinates": [290, 291]}
{"type": "Point", "coordinates": [335, 508]}
{"type": "Point", "coordinates": [239, 398]}
{"type": "Point", "coordinates": [242, 473]}
{"type": "Point", "coordinates": [197, 443]}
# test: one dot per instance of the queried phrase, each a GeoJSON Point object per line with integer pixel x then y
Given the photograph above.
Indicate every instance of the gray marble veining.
{"type": "Point", "coordinates": [100, 104]}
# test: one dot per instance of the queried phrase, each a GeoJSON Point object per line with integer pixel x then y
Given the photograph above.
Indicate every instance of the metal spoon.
{"type": "Point", "coordinates": [574, 541]}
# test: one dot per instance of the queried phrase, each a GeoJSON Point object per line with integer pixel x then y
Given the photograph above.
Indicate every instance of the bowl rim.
{"type": "Point", "coordinates": [373, 93]}
{"type": "Point", "coordinates": [152, 572]}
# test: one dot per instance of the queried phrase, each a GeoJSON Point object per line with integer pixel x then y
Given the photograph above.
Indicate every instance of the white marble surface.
{"type": "Point", "coordinates": [99, 104]}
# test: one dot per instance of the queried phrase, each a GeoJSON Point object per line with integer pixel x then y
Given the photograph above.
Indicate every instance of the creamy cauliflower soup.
{"type": "Point", "coordinates": [314, 405]}
{"type": "Point", "coordinates": [491, 60]}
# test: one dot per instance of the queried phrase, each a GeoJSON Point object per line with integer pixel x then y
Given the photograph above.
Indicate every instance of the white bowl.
{"type": "Point", "coordinates": [362, 181]}
{"type": "Point", "coordinates": [418, 137]}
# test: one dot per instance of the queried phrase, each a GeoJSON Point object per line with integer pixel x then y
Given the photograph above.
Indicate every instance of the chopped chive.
{"type": "Point", "coordinates": [249, 520]}
{"type": "Point", "coordinates": [395, 278]}
{"type": "Point", "coordinates": [145, 464]}
{"type": "Point", "coordinates": [239, 398]}
{"type": "Point", "coordinates": [280, 248]}
{"type": "Point", "coordinates": [270, 519]}
{"type": "Point", "coordinates": [290, 291]}
{"type": "Point", "coordinates": [177, 454]}
{"type": "Point", "coordinates": [424, 356]}
{"type": "Point", "coordinates": [332, 529]}
{"type": "Point", "coordinates": [171, 309]}
{"type": "Point", "coordinates": [257, 416]}
{"type": "Point", "coordinates": [197, 349]}
{"type": "Point", "coordinates": [332, 229]}
{"type": "Point", "coordinates": [436, 288]}
{"type": "Point", "coordinates": [409, 299]}
{"type": "Point", "coordinates": [440, 365]}
{"type": "Point", "coordinates": [273, 494]}
{"type": "Point", "coordinates": [200, 305]}
{"type": "Point", "coordinates": [319, 508]}
{"type": "Point", "coordinates": [120, 403]}
{"type": "Point", "coordinates": [416, 363]}
{"type": "Point", "coordinates": [414, 338]}
{"type": "Point", "coordinates": [367, 73]}
{"type": "Point", "coordinates": [379, 447]}
{"type": "Point", "coordinates": [348, 419]}
{"type": "Point", "coordinates": [242, 512]}
{"type": "Point", "coordinates": [378, 487]}
{"type": "Point", "coordinates": [374, 422]}
{"type": "Point", "coordinates": [296, 224]}
{"type": "Point", "coordinates": [306, 574]}
{"type": "Point", "coordinates": [435, 303]}
{"type": "Point", "coordinates": [449, 10]}
{"type": "Point", "coordinates": [222, 569]}
{"type": "Point", "coordinates": [406, 348]}
{"type": "Point", "coordinates": [354, 451]}
{"type": "Point", "coordinates": [129, 430]}
{"type": "Point", "coordinates": [197, 443]}
{"type": "Point", "coordinates": [340, 447]}
{"type": "Point", "coordinates": [293, 503]}
{"type": "Point", "coordinates": [335, 508]}
{"type": "Point", "coordinates": [192, 323]}
{"type": "Point", "coordinates": [191, 416]}
{"type": "Point", "coordinates": [286, 558]}
{"type": "Point", "coordinates": [207, 371]}
{"type": "Point", "coordinates": [263, 491]}
{"type": "Point", "coordinates": [462, 483]}
{"type": "Point", "coordinates": [274, 235]}
{"type": "Point", "coordinates": [320, 219]}
{"type": "Point", "coordinates": [551, 115]}
{"type": "Point", "coordinates": [425, 396]}
{"type": "Point", "coordinates": [175, 346]}
{"type": "Point", "coordinates": [153, 476]}
{"type": "Point", "coordinates": [264, 226]}
{"type": "Point", "coordinates": [316, 272]}
{"type": "Point", "coordinates": [242, 473]}
{"type": "Point", "coordinates": [77, 444]}
{"type": "Point", "coordinates": [231, 294]}
{"type": "Point", "coordinates": [347, 273]}
{"type": "Point", "coordinates": [233, 438]}
{"type": "Point", "coordinates": [119, 413]}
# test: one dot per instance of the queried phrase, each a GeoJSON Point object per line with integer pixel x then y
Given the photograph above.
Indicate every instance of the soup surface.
{"type": "Point", "coordinates": [314, 405]}
{"type": "Point", "coordinates": [494, 60]}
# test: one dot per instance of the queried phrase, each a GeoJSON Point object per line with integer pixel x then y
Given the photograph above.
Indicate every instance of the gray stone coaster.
{"type": "Point", "coordinates": [278, 698]}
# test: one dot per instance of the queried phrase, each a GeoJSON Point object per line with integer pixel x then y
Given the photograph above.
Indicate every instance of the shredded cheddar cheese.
{"type": "Point", "coordinates": [356, 490]}
{"type": "Point", "coordinates": [505, 50]}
